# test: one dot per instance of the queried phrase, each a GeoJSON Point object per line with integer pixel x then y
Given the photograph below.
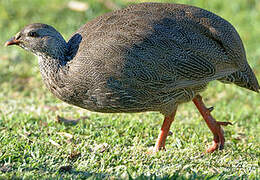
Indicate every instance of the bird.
{"type": "Point", "coordinates": [144, 57]}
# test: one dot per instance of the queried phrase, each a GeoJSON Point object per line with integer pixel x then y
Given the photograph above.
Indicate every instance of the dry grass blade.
{"type": "Point", "coordinates": [54, 143]}
{"type": "Point", "coordinates": [67, 135]}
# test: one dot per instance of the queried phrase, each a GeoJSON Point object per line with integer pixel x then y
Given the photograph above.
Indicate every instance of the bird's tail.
{"type": "Point", "coordinates": [245, 79]}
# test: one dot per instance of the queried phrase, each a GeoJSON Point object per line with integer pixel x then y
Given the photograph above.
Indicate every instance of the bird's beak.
{"type": "Point", "coordinates": [12, 41]}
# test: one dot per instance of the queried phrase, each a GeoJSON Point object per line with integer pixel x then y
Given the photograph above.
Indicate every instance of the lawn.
{"type": "Point", "coordinates": [35, 145]}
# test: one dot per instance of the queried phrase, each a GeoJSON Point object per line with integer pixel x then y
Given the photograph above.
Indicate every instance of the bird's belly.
{"type": "Point", "coordinates": [132, 100]}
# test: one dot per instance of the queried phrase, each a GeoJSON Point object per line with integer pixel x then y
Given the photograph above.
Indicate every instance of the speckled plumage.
{"type": "Point", "coordinates": [149, 57]}
{"type": "Point", "coordinates": [146, 57]}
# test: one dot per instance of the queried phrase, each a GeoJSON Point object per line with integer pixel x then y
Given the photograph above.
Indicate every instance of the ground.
{"type": "Point", "coordinates": [35, 145]}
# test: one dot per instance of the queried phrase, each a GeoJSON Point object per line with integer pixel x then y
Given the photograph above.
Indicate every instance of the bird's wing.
{"type": "Point", "coordinates": [155, 50]}
{"type": "Point", "coordinates": [176, 57]}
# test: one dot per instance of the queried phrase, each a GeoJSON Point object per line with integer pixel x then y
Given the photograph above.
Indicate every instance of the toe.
{"type": "Point", "coordinates": [224, 123]}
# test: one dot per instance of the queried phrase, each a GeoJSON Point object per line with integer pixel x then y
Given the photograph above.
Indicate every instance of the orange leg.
{"type": "Point", "coordinates": [214, 126]}
{"type": "Point", "coordinates": [160, 144]}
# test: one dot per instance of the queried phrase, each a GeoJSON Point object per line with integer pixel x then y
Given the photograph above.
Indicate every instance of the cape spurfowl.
{"type": "Point", "coordinates": [145, 57]}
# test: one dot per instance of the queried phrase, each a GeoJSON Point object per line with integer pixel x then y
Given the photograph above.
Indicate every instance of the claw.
{"type": "Point", "coordinates": [224, 123]}
{"type": "Point", "coordinates": [221, 146]}
{"type": "Point", "coordinates": [211, 109]}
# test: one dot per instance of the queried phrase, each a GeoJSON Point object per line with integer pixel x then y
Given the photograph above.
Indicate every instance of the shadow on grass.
{"type": "Point", "coordinates": [178, 175]}
{"type": "Point", "coordinates": [45, 173]}
{"type": "Point", "coordinates": [67, 172]}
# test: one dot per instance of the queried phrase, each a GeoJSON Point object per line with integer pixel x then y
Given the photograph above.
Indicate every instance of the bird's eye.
{"type": "Point", "coordinates": [32, 34]}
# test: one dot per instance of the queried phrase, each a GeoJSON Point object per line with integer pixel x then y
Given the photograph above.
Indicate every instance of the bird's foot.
{"type": "Point", "coordinates": [214, 126]}
{"type": "Point", "coordinates": [159, 148]}
{"type": "Point", "coordinates": [154, 150]}
{"type": "Point", "coordinates": [219, 140]}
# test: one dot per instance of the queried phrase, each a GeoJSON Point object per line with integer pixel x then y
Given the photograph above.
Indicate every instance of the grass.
{"type": "Point", "coordinates": [33, 145]}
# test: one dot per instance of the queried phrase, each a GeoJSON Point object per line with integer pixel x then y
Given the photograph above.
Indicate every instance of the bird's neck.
{"type": "Point", "coordinates": [51, 65]}
{"type": "Point", "coordinates": [51, 59]}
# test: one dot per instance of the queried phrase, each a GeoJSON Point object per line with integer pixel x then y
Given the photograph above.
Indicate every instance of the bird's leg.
{"type": "Point", "coordinates": [160, 144]}
{"type": "Point", "coordinates": [214, 126]}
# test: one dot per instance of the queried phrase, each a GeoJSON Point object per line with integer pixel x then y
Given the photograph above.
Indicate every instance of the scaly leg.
{"type": "Point", "coordinates": [214, 126]}
{"type": "Point", "coordinates": [160, 144]}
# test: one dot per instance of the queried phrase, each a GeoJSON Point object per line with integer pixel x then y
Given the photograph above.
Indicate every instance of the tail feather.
{"type": "Point", "coordinates": [245, 79]}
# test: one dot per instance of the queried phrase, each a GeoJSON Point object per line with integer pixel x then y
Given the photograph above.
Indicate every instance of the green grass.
{"type": "Point", "coordinates": [33, 145]}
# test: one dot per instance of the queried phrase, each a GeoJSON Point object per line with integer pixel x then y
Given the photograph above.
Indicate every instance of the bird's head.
{"type": "Point", "coordinates": [40, 39]}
